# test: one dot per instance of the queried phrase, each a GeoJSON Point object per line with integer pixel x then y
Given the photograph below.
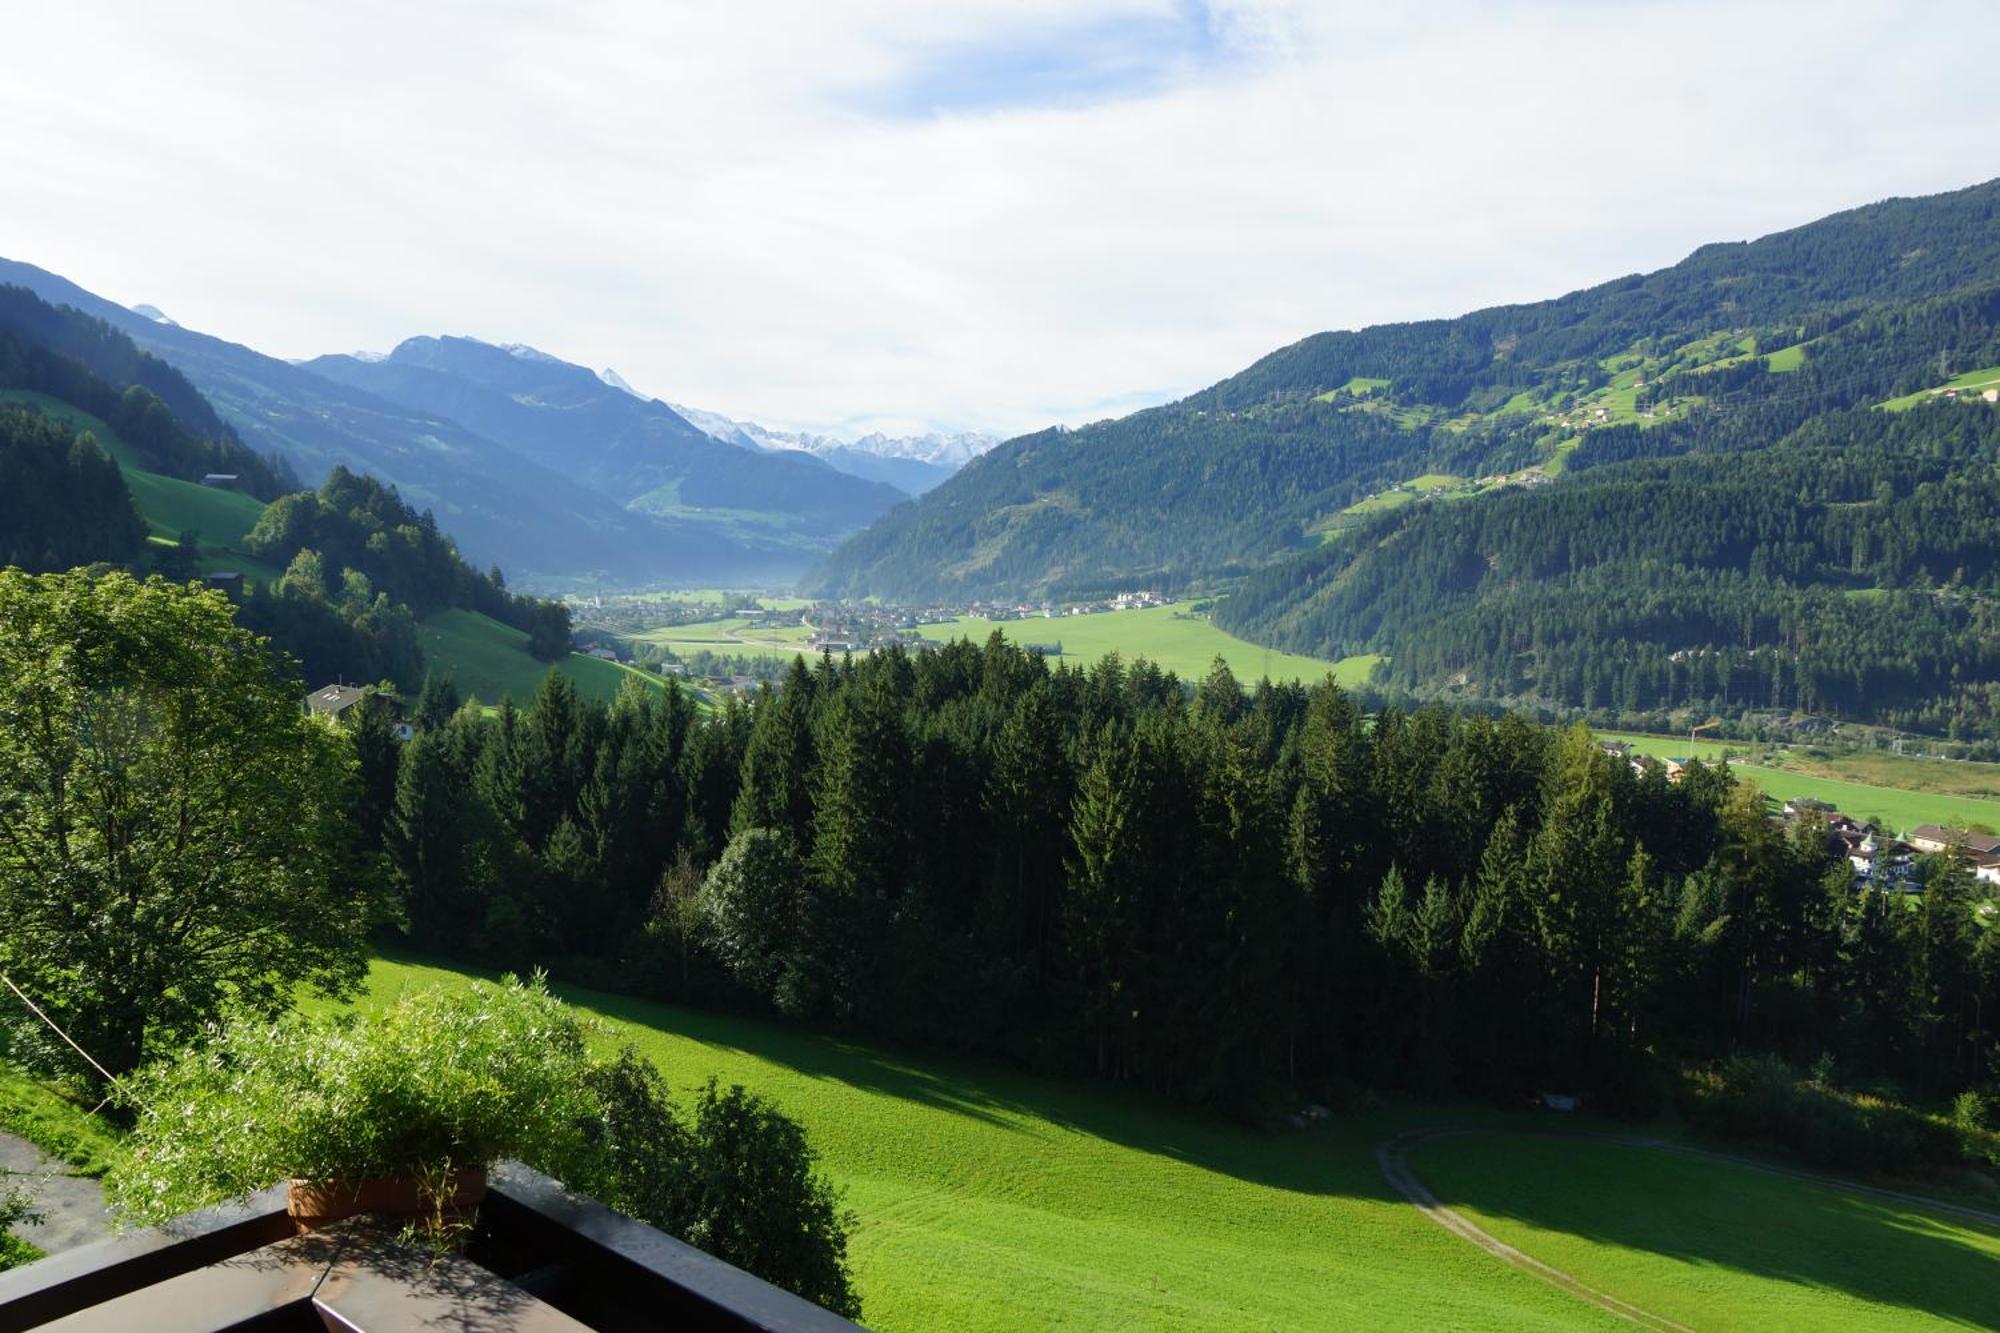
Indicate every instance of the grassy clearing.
{"type": "Point", "coordinates": [1786, 359]}
{"type": "Point", "coordinates": [986, 1199]}
{"type": "Point", "coordinates": [490, 660]}
{"type": "Point", "coordinates": [169, 505]}
{"type": "Point", "coordinates": [1169, 636]}
{"type": "Point", "coordinates": [1988, 378]}
{"type": "Point", "coordinates": [1713, 1245]}
{"type": "Point", "coordinates": [61, 1127]}
{"type": "Point", "coordinates": [1898, 801]}
{"type": "Point", "coordinates": [1360, 386]}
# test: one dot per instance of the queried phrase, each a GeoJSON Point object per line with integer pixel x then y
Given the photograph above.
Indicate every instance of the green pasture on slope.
{"type": "Point", "coordinates": [489, 661]}
{"type": "Point", "coordinates": [169, 505]}
{"type": "Point", "coordinates": [1988, 378]}
{"type": "Point", "coordinates": [1894, 808]}
{"type": "Point", "coordinates": [1170, 636]}
{"type": "Point", "coordinates": [1713, 1245]}
{"type": "Point", "coordinates": [988, 1199]}
{"type": "Point", "coordinates": [985, 1199]}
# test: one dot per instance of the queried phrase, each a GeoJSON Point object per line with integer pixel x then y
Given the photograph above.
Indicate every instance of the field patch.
{"type": "Point", "coordinates": [169, 505]}
{"type": "Point", "coordinates": [1172, 637]}
{"type": "Point", "coordinates": [1973, 382]}
{"type": "Point", "coordinates": [1897, 804]}
{"type": "Point", "coordinates": [1707, 1243]}
{"type": "Point", "coordinates": [489, 661]}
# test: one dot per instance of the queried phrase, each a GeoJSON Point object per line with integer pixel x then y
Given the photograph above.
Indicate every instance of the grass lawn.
{"type": "Point", "coordinates": [1898, 802]}
{"type": "Point", "coordinates": [490, 660]}
{"type": "Point", "coordinates": [986, 1199]}
{"type": "Point", "coordinates": [1167, 635]}
{"type": "Point", "coordinates": [1712, 1245]}
{"type": "Point", "coordinates": [63, 1128]}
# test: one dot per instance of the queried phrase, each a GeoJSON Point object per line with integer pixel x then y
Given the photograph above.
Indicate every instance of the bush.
{"type": "Point", "coordinates": [737, 1180]}
{"type": "Point", "coordinates": [1762, 1099]}
{"type": "Point", "coordinates": [15, 1206]}
{"type": "Point", "coordinates": [440, 1080]}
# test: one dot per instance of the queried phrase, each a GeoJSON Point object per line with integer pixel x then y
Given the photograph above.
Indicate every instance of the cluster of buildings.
{"type": "Point", "coordinates": [1884, 861]}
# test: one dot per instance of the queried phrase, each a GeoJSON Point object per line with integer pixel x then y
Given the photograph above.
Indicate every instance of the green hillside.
{"type": "Point", "coordinates": [985, 1199]}
{"type": "Point", "coordinates": [490, 661]}
{"type": "Point", "coordinates": [1238, 475]}
{"type": "Point", "coordinates": [169, 505]}
{"type": "Point", "coordinates": [1665, 493]}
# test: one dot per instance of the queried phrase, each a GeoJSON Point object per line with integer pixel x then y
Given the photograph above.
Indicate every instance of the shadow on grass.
{"type": "Point", "coordinates": [1033, 1107]}
{"type": "Point", "coordinates": [1717, 1216]}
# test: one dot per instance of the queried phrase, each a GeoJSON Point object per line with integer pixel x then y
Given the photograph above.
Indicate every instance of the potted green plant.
{"type": "Point", "coordinates": [398, 1112]}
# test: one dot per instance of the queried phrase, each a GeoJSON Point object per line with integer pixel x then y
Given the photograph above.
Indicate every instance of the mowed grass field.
{"type": "Point", "coordinates": [988, 1199]}
{"type": "Point", "coordinates": [1892, 807]}
{"type": "Point", "coordinates": [489, 661]}
{"type": "Point", "coordinates": [1167, 635]}
{"type": "Point", "coordinates": [1177, 641]}
{"type": "Point", "coordinates": [1713, 1245]}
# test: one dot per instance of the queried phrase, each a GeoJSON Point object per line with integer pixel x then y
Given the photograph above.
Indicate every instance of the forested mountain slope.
{"type": "Point", "coordinates": [635, 450]}
{"type": "Point", "coordinates": [341, 579]}
{"type": "Point", "coordinates": [1262, 465]}
{"type": "Point", "coordinates": [504, 508]}
{"type": "Point", "coordinates": [85, 362]}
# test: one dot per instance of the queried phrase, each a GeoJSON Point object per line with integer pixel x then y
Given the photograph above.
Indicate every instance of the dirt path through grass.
{"type": "Point", "coordinates": [1393, 1156]}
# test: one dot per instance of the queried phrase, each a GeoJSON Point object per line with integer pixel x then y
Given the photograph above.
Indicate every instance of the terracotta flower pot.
{"type": "Point", "coordinates": [317, 1203]}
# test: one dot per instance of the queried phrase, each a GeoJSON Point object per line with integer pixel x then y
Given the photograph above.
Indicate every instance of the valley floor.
{"type": "Point", "coordinates": [988, 1199]}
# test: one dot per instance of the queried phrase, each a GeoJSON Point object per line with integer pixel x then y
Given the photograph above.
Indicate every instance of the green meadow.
{"type": "Point", "coordinates": [1171, 636]}
{"type": "Point", "coordinates": [169, 505]}
{"type": "Point", "coordinates": [1710, 1244]}
{"type": "Point", "coordinates": [1898, 808]}
{"type": "Point", "coordinates": [1978, 380]}
{"type": "Point", "coordinates": [989, 1199]}
{"type": "Point", "coordinates": [489, 661]}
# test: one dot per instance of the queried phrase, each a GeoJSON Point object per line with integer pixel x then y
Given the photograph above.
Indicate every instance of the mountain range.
{"type": "Point", "coordinates": [911, 463]}
{"type": "Point", "coordinates": [534, 465]}
{"type": "Point", "coordinates": [1672, 489]}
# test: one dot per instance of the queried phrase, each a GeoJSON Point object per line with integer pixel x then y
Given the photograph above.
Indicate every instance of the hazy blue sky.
{"type": "Point", "coordinates": [844, 214]}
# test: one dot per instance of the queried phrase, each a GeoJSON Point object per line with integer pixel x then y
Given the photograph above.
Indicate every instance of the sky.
{"type": "Point", "coordinates": [991, 215]}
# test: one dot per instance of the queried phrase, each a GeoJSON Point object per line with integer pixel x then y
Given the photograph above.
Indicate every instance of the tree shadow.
{"type": "Point", "coordinates": [1709, 1213]}
{"type": "Point", "coordinates": [1031, 1106]}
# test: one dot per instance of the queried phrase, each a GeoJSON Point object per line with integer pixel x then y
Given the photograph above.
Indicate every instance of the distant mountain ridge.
{"type": "Point", "coordinates": [635, 450]}
{"type": "Point", "coordinates": [913, 463]}
{"type": "Point", "coordinates": [1759, 479]}
{"type": "Point", "coordinates": [547, 510]}
{"type": "Point", "coordinates": [1255, 468]}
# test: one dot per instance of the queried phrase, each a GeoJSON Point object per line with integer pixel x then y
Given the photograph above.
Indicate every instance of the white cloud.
{"type": "Point", "coordinates": [836, 216]}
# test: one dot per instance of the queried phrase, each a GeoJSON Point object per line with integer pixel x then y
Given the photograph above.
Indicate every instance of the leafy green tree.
{"type": "Point", "coordinates": [171, 821]}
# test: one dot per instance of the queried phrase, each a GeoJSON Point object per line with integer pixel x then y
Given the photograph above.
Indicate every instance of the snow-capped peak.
{"type": "Point", "coordinates": [154, 313]}
{"type": "Point", "coordinates": [951, 450]}
{"type": "Point", "coordinates": [617, 381]}
{"type": "Point", "coordinates": [523, 352]}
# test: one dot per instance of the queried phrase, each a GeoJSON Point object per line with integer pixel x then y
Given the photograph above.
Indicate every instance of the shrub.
{"type": "Point", "coordinates": [737, 1180]}
{"type": "Point", "coordinates": [440, 1080]}
{"type": "Point", "coordinates": [1762, 1099]}
{"type": "Point", "coordinates": [15, 1206]}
